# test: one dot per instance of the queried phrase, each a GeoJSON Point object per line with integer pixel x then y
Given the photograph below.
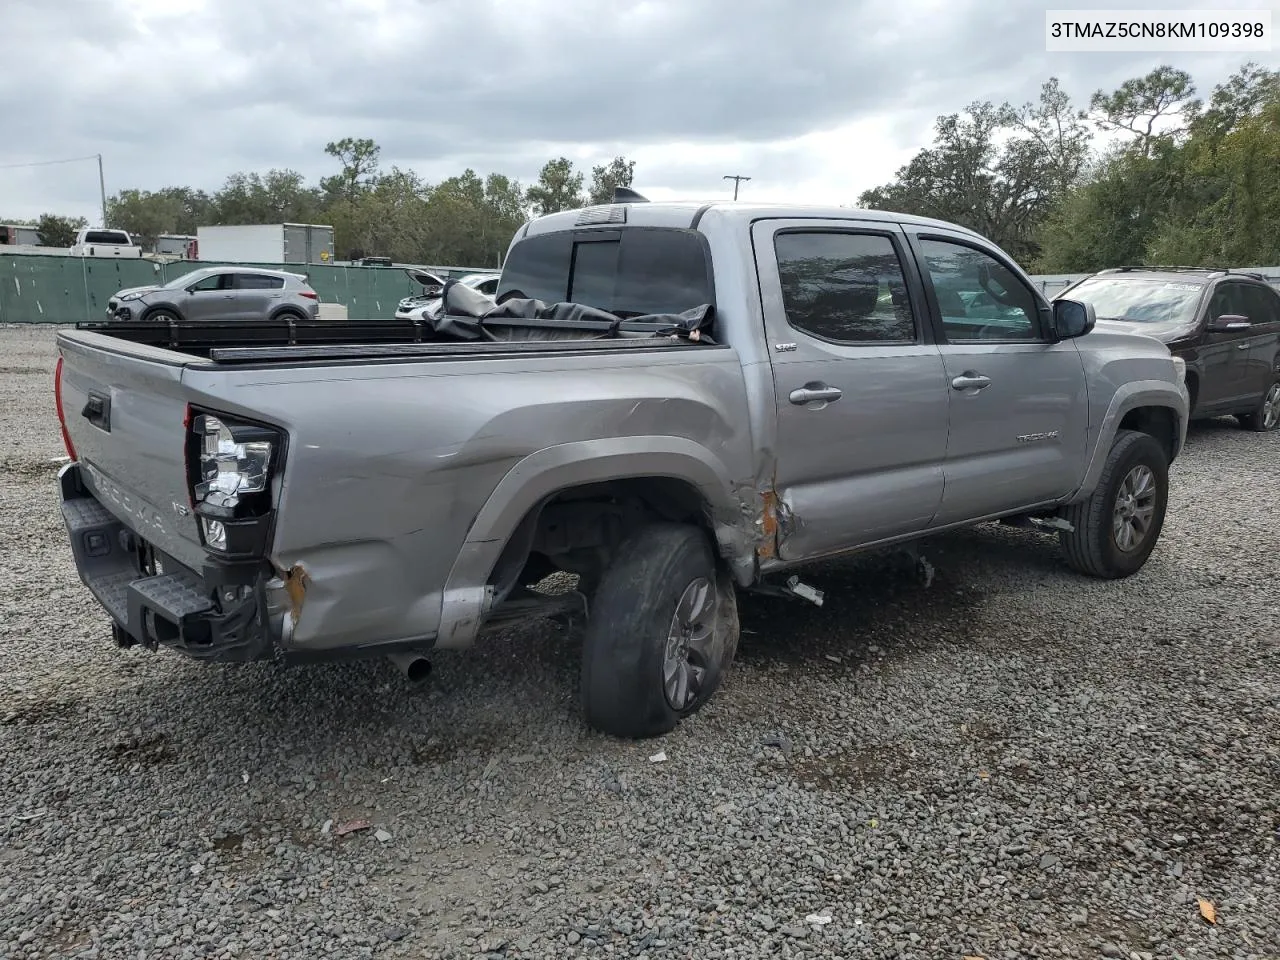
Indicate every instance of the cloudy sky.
{"type": "Point", "coordinates": [816, 100]}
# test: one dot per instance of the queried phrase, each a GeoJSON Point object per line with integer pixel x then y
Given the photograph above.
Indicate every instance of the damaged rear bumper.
{"type": "Point", "coordinates": [230, 614]}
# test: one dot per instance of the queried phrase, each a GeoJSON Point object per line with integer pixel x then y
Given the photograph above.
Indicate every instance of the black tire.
{"type": "Point", "coordinates": [622, 686]}
{"type": "Point", "coordinates": [288, 315]}
{"type": "Point", "coordinates": [1265, 417]}
{"type": "Point", "coordinates": [163, 315]}
{"type": "Point", "coordinates": [1092, 547]}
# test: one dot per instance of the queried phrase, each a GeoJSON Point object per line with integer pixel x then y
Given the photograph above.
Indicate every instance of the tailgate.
{"type": "Point", "coordinates": [125, 412]}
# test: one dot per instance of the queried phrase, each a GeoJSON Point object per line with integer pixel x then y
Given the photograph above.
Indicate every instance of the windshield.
{"type": "Point", "coordinates": [186, 278]}
{"type": "Point", "coordinates": [1140, 300]}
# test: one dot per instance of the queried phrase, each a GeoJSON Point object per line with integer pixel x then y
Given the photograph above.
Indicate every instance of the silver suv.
{"type": "Point", "coordinates": [220, 293]}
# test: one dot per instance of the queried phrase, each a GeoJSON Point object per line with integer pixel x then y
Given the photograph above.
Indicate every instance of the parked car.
{"type": "Point", "coordinates": [1224, 324]}
{"type": "Point", "coordinates": [413, 308]}
{"type": "Point", "coordinates": [219, 293]}
{"type": "Point", "coordinates": [709, 398]}
{"type": "Point", "coordinates": [97, 242]}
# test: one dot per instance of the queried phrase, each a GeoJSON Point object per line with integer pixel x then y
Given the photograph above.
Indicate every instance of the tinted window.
{"type": "Point", "coordinates": [978, 296]}
{"type": "Point", "coordinates": [1228, 300]}
{"type": "Point", "coordinates": [258, 281]}
{"type": "Point", "coordinates": [1262, 305]}
{"type": "Point", "coordinates": [632, 272]}
{"type": "Point", "coordinates": [847, 287]}
{"type": "Point", "coordinates": [105, 236]}
{"type": "Point", "coordinates": [595, 272]}
{"type": "Point", "coordinates": [212, 282]}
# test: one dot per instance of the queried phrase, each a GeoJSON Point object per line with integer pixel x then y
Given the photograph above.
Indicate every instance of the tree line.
{"type": "Point", "coordinates": [1145, 173]}
{"type": "Point", "coordinates": [464, 220]}
{"type": "Point", "coordinates": [1180, 182]}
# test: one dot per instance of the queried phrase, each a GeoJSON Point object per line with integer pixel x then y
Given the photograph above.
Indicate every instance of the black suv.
{"type": "Point", "coordinates": [1224, 324]}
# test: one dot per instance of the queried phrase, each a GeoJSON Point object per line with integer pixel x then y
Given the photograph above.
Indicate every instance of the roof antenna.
{"type": "Point", "coordinates": [627, 195]}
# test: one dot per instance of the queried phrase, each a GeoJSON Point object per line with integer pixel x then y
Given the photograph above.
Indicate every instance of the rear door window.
{"type": "Point", "coordinates": [258, 281]}
{"type": "Point", "coordinates": [1262, 306]}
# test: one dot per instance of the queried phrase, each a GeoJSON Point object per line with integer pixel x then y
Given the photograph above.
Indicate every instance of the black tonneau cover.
{"type": "Point", "coordinates": [464, 316]}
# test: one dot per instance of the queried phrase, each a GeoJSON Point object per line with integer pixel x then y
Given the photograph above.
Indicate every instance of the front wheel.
{"type": "Point", "coordinates": [661, 636]}
{"type": "Point", "coordinates": [1116, 529]}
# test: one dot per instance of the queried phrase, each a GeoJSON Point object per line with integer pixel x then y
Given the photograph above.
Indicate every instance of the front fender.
{"type": "Point", "coordinates": [541, 475]}
{"type": "Point", "coordinates": [1128, 397]}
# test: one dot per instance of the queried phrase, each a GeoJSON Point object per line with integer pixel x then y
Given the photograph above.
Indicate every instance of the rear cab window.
{"type": "Point", "coordinates": [629, 272]}
{"type": "Point", "coordinates": [112, 237]}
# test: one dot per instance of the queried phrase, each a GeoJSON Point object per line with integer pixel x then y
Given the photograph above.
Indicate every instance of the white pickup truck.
{"type": "Point", "coordinates": [96, 242]}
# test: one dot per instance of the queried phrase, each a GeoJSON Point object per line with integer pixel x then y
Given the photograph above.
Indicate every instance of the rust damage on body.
{"type": "Point", "coordinates": [295, 585]}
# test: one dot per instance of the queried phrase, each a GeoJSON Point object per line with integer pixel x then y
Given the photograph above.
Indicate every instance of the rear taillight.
{"type": "Point", "coordinates": [62, 419]}
{"type": "Point", "coordinates": [309, 294]}
{"type": "Point", "coordinates": [230, 465]}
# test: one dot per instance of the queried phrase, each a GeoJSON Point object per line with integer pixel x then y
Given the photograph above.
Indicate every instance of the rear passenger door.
{"type": "Point", "coordinates": [860, 397]}
{"type": "Point", "coordinates": [1225, 355]}
{"type": "Point", "coordinates": [1018, 406]}
{"type": "Point", "coordinates": [1264, 352]}
{"type": "Point", "coordinates": [256, 295]}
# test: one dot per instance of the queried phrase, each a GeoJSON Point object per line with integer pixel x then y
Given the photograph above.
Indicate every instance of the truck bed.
{"type": "Point", "coordinates": [285, 340]}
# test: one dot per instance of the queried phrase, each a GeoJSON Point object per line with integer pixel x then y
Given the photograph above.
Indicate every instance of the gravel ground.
{"type": "Point", "coordinates": [1012, 762]}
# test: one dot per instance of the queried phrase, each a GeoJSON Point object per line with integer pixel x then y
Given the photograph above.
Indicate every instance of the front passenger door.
{"type": "Point", "coordinates": [1019, 408]}
{"type": "Point", "coordinates": [209, 299]}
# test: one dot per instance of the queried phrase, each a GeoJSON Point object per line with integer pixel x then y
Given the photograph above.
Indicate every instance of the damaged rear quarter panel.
{"type": "Point", "coordinates": [390, 465]}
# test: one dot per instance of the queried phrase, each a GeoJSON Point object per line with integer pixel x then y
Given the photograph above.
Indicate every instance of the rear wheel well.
{"type": "Point", "coordinates": [577, 530]}
{"type": "Point", "coordinates": [1158, 422]}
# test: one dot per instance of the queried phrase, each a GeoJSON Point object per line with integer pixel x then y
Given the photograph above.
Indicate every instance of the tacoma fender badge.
{"type": "Point", "coordinates": [784, 347]}
{"type": "Point", "coordinates": [1033, 437]}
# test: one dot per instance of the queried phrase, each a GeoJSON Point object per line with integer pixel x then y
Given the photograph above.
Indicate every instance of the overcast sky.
{"type": "Point", "coordinates": [816, 100]}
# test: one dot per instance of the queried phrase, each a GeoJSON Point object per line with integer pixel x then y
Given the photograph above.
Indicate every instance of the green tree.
{"type": "Point", "coordinates": [145, 215]}
{"type": "Point", "coordinates": [558, 188]}
{"type": "Point", "coordinates": [359, 159]}
{"type": "Point", "coordinates": [999, 170]}
{"type": "Point", "coordinates": [618, 172]}
{"type": "Point", "coordinates": [278, 196]}
{"type": "Point", "coordinates": [1140, 106]}
{"type": "Point", "coordinates": [56, 231]}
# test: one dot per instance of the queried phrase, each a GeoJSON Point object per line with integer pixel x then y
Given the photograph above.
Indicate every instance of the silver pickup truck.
{"type": "Point", "coordinates": [670, 402]}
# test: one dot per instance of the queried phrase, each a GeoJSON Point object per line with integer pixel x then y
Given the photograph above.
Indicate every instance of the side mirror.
{"type": "Point", "coordinates": [1072, 318]}
{"type": "Point", "coordinates": [1228, 322]}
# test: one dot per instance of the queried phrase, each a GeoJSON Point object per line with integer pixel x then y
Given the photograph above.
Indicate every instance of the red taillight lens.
{"type": "Point", "coordinates": [309, 294]}
{"type": "Point", "coordinates": [62, 420]}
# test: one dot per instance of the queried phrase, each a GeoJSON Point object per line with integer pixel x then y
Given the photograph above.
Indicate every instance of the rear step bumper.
{"type": "Point", "coordinates": [171, 606]}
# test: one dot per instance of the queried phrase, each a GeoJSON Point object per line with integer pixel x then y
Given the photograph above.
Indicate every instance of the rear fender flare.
{"type": "Point", "coordinates": [541, 475]}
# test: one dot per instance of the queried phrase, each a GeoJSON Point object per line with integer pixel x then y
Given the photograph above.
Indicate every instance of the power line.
{"type": "Point", "coordinates": [102, 183]}
{"type": "Point", "coordinates": [47, 163]}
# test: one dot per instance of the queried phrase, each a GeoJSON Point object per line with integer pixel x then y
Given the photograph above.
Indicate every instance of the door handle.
{"type": "Point", "coordinates": [970, 381]}
{"type": "Point", "coordinates": [812, 392]}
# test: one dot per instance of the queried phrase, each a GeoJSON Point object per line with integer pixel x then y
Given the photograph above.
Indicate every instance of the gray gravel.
{"type": "Point", "coordinates": [1013, 762]}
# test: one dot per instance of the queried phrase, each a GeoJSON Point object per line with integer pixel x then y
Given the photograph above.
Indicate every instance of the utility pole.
{"type": "Point", "coordinates": [102, 185]}
{"type": "Point", "coordinates": [736, 181]}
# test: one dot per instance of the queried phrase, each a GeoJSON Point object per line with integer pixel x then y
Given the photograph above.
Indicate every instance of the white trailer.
{"type": "Point", "coordinates": [276, 243]}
